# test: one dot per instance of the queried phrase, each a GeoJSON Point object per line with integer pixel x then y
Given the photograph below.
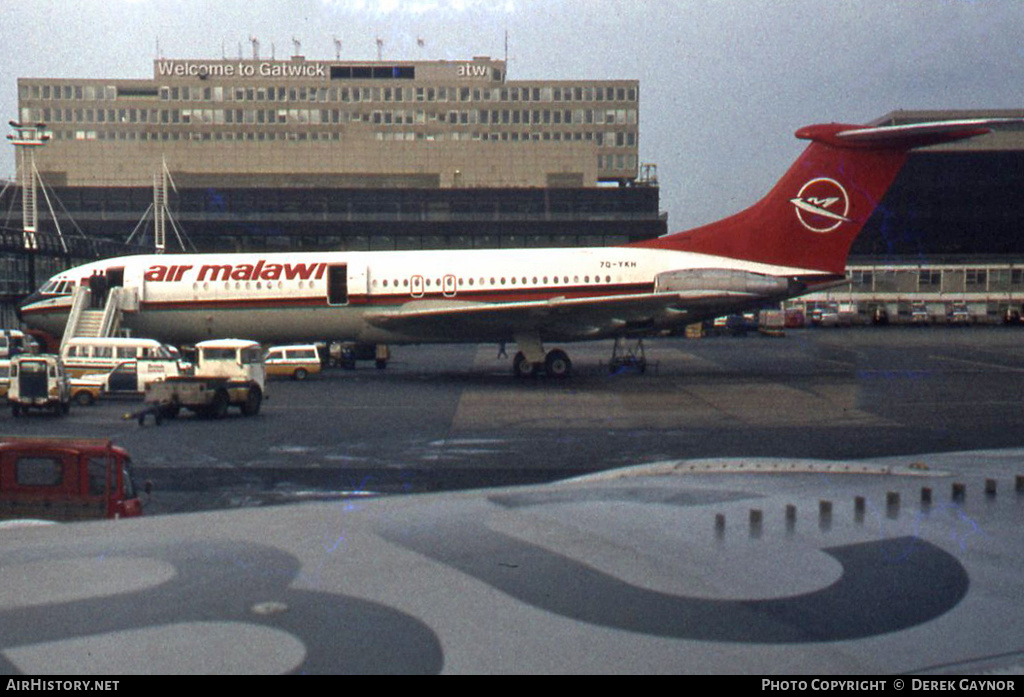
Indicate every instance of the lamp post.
{"type": "Point", "coordinates": [26, 138]}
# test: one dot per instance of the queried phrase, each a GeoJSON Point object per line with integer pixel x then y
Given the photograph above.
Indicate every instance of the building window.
{"type": "Point", "coordinates": [977, 278]}
{"type": "Point", "coordinates": [929, 279]}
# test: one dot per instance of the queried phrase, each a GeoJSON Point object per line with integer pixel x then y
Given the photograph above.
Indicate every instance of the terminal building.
{"type": "Point", "coordinates": [307, 154]}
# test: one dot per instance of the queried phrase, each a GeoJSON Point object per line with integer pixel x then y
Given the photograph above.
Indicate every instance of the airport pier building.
{"type": "Point", "coordinates": [946, 244]}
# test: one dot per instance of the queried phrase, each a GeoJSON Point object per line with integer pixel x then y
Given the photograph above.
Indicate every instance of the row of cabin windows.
{"type": "Point", "coordinates": [494, 281]}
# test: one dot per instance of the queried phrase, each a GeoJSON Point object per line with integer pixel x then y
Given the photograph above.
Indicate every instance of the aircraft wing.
{"type": "Point", "coordinates": [748, 566]}
{"type": "Point", "coordinates": [562, 318]}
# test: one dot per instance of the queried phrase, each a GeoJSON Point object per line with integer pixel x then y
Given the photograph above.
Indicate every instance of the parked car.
{"type": "Point", "coordinates": [297, 362]}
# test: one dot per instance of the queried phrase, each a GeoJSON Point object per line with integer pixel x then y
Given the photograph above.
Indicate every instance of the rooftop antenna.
{"type": "Point", "coordinates": [380, 48]}
{"type": "Point", "coordinates": [505, 75]}
{"type": "Point", "coordinates": [255, 47]}
{"type": "Point", "coordinates": [296, 48]}
{"type": "Point", "coordinates": [337, 48]}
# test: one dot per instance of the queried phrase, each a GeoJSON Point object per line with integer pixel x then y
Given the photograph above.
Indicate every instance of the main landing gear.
{"type": "Point", "coordinates": [531, 360]}
{"type": "Point", "coordinates": [556, 365]}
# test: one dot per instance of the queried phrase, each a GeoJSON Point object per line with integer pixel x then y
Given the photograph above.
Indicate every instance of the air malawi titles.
{"type": "Point", "coordinates": [261, 270]}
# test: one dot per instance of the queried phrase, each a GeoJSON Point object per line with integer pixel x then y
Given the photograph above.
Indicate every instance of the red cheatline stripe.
{"type": "Point", "coordinates": [393, 300]}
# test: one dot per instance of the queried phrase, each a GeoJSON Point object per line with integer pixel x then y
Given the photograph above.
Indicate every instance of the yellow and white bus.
{"type": "Point", "coordinates": [83, 355]}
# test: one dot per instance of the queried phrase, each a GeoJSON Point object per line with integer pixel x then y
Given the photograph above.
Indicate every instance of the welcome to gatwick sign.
{"type": "Point", "coordinates": [203, 69]}
{"type": "Point", "coordinates": [300, 69]}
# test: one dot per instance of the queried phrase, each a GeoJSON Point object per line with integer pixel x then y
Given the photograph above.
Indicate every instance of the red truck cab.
{"type": "Point", "coordinates": [65, 479]}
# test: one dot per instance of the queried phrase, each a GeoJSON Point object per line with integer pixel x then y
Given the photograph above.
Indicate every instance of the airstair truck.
{"type": "Point", "coordinates": [227, 373]}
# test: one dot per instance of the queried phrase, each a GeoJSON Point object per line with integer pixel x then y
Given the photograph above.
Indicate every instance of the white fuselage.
{"type": "Point", "coordinates": [297, 296]}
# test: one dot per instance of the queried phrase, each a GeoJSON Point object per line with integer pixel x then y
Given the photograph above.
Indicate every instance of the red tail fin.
{"type": "Point", "coordinates": [811, 217]}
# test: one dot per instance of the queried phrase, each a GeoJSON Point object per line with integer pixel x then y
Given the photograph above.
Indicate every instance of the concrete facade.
{"type": "Point", "coordinates": [279, 123]}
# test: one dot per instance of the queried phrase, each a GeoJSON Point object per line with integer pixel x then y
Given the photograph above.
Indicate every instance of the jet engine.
{"type": "Point", "coordinates": [726, 282]}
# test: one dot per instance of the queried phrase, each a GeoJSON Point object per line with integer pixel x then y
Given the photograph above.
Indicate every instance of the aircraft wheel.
{"type": "Point", "coordinates": [523, 368]}
{"type": "Point", "coordinates": [557, 364]}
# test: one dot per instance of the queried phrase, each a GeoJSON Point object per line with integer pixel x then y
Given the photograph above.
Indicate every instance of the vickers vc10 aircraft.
{"type": "Point", "coordinates": [794, 241]}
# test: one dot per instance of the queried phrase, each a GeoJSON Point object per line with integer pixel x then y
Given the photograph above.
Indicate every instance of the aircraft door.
{"type": "Point", "coordinates": [115, 277]}
{"type": "Point", "coordinates": [448, 285]}
{"type": "Point", "coordinates": [416, 286]}
{"type": "Point", "coordinates": [337, 284]}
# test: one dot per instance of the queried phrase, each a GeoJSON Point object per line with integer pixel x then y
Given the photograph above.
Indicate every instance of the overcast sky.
{"type": "Point", "coordinates": [723, 83]}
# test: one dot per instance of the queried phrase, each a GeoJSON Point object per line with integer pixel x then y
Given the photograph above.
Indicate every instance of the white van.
{"type": "Point", "coordinates": [12, 342]}
{"type": "Point", "coordinates": [296, 362]}
{"type": "Point", "coordinates": [83, 354]}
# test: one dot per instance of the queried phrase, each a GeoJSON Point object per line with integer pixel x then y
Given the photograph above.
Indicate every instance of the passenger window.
{"type": "Point", "coordinates": [39, 471]}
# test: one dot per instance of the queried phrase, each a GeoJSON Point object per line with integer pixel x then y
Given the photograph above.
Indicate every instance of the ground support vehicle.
{"type": "Point", "coordinates": [85, 392]}
{"type": "Point", "coordinates": [346, 354]}
{"type": "Point", "coordinates": [127, 379]}
{"type": "Point", "coordinates": [65, 479]}
{"type": "Point", "coordinates": [227, 372]}
{"type": "Point", "coordinates": [38, 382]}
{"type": "Point", "coordinates": [297, 362]}
{"type": "Point", "coordinates": [12, 342]}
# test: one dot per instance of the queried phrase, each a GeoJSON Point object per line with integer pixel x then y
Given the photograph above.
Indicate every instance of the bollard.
{"type": "Point", "coordinates": [959, 491]}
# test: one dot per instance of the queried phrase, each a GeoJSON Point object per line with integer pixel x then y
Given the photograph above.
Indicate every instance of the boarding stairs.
{"type": "Point", "coordinates": [86, 321]}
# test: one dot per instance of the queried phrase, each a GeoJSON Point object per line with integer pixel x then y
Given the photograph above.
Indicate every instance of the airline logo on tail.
{"type": "Point", "coordinates": [822, 205]}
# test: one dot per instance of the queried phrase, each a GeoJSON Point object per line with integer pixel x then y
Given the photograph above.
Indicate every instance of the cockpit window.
{"type": "Point", "coordinates": [57, 287]}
